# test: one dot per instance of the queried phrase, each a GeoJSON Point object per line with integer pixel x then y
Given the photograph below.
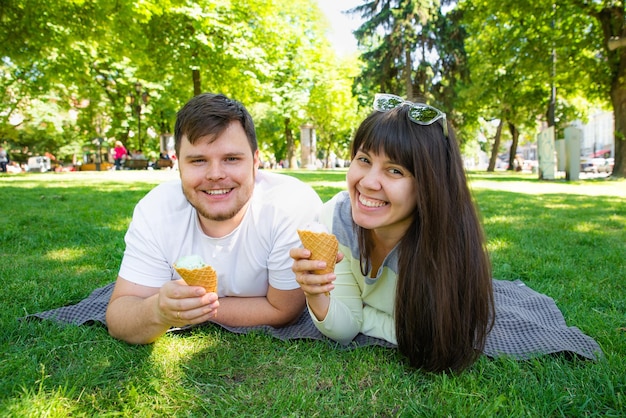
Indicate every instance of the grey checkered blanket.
{"type": "Point", "coordinates": [527, 323]}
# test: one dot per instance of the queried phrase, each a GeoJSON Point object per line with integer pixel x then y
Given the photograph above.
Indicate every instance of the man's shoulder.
{"type": "Point", "coordinates": [166, 193]}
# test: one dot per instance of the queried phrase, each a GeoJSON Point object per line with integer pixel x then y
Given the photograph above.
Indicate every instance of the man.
{"type": "Point", "coordinates": [239, 220]}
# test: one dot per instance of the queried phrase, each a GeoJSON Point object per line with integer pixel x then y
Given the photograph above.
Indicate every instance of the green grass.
{"type": "Point", "coordinates": [61, 236]}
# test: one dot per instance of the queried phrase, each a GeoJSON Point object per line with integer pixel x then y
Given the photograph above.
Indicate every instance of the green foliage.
{"type": "Point", "coordinates": [94, 52]}
{"type": "Point", "coordinates": [517, 52]}
{"type": "Point", "coordinates": [476, 60]}
{"type": "Point", "coordinates": [62, 236]}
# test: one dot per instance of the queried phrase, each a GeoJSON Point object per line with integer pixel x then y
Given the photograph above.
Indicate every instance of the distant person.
{"type": "Point", "coordinates": [164, 161]}
{"type": "Point", "coordinates": [138, 155]}
{"type": "Point", "coordinates": [415, 271]}
{"type": "Point", "coordinates": [119, 154]}
{"type": "Point", "coordinates": [4, 160]}
{"type": "Point", "coordinates": [238, 219]}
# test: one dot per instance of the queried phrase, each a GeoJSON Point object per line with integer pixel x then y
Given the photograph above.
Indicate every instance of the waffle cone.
{"type": "Point", "coordinates": [205, 277]}
{"type": "Point", "coordinates": [323, 246]}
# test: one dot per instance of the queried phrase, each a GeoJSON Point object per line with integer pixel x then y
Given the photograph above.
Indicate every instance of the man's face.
{"type": "Point", "coordinates": [217, 176]}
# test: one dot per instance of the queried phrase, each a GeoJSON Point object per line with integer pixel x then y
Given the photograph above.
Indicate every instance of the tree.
{"type": "Point", "coordinates": [513, 51]}
{"type": "Point", "coordinates": [87, 57]}
{"type": "Point", "coordinates": [398, 35]}
{"type": "Point", "coordinates": [413, 48]}
{"type": "Point", "coordinates": [507, 81]}
{"type": "Point", "coordinates": [610, 17]}
{"type": "Point", "coordinates": [334, 110]}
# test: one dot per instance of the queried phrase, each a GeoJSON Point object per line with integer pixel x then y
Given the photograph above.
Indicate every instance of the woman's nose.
{"type": "Point", "coordinates": [371, 180]}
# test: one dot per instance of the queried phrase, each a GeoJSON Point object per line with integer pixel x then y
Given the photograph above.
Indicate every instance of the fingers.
{"type": "Point", "coordinates": [299, 253]}
{"type": "Point", "coordinates": [301, 262]}
{"type": "Point", "coordinates": [179, 304]}
{"type": "Point", "coordinates": [198, 315]}
{"type": "Point", "coordinates": [316, 284]}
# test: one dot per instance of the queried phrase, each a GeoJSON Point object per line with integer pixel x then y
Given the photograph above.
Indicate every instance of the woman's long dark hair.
{"type": "Point", "coordinates": [444, 299]}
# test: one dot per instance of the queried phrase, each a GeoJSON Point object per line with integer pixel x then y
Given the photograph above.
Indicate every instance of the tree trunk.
{"type": "Point", "coordinates": [612, 22]}
{"type": "Point", "coordinates": [618, 97]}
{"type": "Point", "coordinates": [496, 146]}
{"type": "Point", "coordinates": [408, 79]}
{"type": "Point", "coordinates": [291, 149]}
{"type": "Point", "coordinates": [513, 150]}
{"type": "Point", "coordinates": [197, 87]}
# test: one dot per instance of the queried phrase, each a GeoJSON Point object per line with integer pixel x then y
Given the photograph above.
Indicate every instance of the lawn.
{"type": "Point", "coordinates": [62, 236]}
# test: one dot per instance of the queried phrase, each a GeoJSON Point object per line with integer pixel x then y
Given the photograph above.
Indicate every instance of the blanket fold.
{"type": "Point", "coordinates": [527, 324]}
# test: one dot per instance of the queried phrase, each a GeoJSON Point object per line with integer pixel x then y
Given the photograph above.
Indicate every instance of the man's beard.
{"type": "Point", "coordinates": [217, 217]}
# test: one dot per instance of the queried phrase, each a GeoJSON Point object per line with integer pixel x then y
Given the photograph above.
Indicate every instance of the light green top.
{"type": "Point", "coordinates": [358, 304]}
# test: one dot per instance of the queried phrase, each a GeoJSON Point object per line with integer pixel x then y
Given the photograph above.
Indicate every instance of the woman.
{"type": "Point", "coordinates": [415, 270]}
{"type": "Point", "coordinates": [119, 153]}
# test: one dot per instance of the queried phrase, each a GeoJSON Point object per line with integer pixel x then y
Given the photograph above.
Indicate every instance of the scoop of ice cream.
{"type": "Point", "coordinates": [315, 227]}
{"type": "Point", "coordinates": [190, 262]}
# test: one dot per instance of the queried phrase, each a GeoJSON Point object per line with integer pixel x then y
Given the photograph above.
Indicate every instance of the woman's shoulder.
{"type": "Point", "coordinates": [336, 214]}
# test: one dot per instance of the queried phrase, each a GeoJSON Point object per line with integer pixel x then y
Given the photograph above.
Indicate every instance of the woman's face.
{"type": "Point", "coordinates": [381, 193]}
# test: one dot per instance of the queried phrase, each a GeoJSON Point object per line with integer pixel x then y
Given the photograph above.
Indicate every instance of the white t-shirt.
{"type": "Point", "coordinates": [166, 227]}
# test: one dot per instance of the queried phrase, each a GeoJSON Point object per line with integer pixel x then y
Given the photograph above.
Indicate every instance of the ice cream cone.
{"type": "Point", "coordinates": [205, 276]}
{"type": "Point", "coordinates": [323, 246]}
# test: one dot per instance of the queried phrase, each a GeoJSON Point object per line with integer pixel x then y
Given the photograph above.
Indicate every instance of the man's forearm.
{"type": "Point", "coordinates": [134, 319]}
{"type": "Point", "coordinates": [254, 311]}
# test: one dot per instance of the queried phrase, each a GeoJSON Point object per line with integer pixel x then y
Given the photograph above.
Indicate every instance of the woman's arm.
{"type": "Point", "coordinates": [340, 315]}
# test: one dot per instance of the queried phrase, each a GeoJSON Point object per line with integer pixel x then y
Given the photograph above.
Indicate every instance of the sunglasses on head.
{"type": "Point", "coordinates": [420, 113]}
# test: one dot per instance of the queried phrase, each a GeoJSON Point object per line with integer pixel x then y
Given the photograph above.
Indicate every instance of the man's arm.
{"type": "Point", "coordinates": [140, 314]}
{"type": "Point", "coordinates": [278, 309]}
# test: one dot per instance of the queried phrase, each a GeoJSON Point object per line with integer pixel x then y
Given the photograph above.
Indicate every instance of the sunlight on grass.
{"type": "Point", "coordinates": [585, 227]}
{"type": "Point", "coordinates": [176, 349]}
{"type": "Point", "coordinates": [533, 186]}
{"type": "Point", "coordinates": [336, 184]}
{"type": "Point", "coordinates": [41, 402]}
{"type": "Point", "coordinates": [562, 206]}
{"type": "Point", "coordinates": [498, 245]}
{"type": "Point", "coordinates": [504, 220]}
{"type": "Point", "coordinates": [120, 224]}
{"type": "Point", "coordinates": [169, 354]}
{"type": "Point", "coordinates": [65, 254]}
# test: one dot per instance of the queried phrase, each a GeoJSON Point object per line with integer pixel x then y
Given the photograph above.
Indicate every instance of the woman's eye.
{"type": "Point", "coordinates": [396, 172]}
{"type": "Point", "coordinates": [363, 159]}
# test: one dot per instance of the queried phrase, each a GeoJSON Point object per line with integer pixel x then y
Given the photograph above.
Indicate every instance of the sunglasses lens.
{"type": "Point", "coordinates": [385, 103]}
{"type": "Point", "coordinates": [419, 113]}
{"type": "Point", "coordinates": [423, 114]}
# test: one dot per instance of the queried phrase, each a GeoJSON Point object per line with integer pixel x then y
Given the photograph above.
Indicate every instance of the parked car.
{"type": "Point", "coordinates": [39, 163]}
{"type": "Point", "coordinates": [602, 165]}
{"type": "Point", "coordinates": [531, 165]}
{"type": "Point", "coordinates": [596, 165]}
